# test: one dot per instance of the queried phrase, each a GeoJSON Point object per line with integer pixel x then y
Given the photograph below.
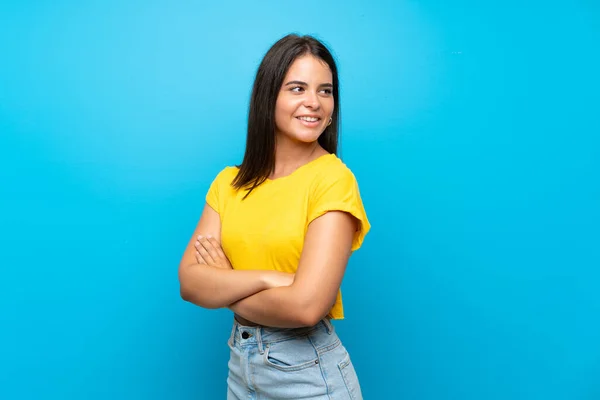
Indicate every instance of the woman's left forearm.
{"type": "Point", "coordinates": [280, 307]}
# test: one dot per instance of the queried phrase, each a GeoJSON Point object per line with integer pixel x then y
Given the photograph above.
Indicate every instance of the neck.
{"type": "Point", "coordinates": [289, 156]}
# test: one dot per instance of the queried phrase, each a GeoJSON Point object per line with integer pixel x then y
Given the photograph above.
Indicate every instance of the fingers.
{"type": "Point", "coordinates": [210, 248]}
{"type": "Point", "coordinates": [202, 255]}
{"type": "Point", "coordinates": [199, 258]}
{"type": "Point", "coordinates": [217, 247]}
{"type": "Point", "coordinates": [219, 255]}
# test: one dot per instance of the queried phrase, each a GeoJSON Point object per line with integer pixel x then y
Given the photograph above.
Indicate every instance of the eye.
{"type": "Point", "coordinates": [297, 89]}
{"type": "Point", "coordinates": [327, 91]}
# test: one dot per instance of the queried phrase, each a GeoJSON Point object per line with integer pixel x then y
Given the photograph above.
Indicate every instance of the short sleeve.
{"type": "Point", "coordinates": [215, 196]}
{"type": "Point", "coordinates": [339, 192]}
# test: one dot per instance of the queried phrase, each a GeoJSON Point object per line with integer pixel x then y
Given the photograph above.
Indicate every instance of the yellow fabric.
{"type": "Point", "coordinates": [267, 229]}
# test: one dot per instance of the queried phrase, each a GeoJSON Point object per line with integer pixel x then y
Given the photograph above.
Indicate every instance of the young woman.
{"type": "Point", "coordinates": [276, 234]}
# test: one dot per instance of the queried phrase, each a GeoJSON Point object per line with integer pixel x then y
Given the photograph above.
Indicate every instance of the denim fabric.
{"type": "Point", "coordinates": [301, 363]}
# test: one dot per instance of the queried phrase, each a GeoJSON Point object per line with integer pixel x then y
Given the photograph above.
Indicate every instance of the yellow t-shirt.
{"type": "Point", "coordinates": [267, 229]}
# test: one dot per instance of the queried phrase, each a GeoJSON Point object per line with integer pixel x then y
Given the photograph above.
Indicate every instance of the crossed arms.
{"type": "Point", "coordinates": [269, 298]}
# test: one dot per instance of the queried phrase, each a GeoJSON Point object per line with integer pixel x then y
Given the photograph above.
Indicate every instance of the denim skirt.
{"type": "Point", "coordinates": [298, 363]}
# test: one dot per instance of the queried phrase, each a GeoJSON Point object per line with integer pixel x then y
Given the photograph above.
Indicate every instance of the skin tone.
{"type": "Point", "coordinates": [303, 109]}
{"type": "Point", "coordinates": [306, 92]}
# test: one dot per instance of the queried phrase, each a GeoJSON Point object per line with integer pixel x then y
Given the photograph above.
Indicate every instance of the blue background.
{"type": "Point", "coordinates": [472, 128]}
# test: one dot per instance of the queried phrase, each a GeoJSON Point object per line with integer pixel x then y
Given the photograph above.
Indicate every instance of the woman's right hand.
{"type": "Point", "coordinates": [275, 279]}
{"type": "Point", "coordinates": [209, 252]}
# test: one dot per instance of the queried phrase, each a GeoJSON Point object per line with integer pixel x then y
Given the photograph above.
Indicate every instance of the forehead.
{"type": "Point", "coordinates": [309, 69]}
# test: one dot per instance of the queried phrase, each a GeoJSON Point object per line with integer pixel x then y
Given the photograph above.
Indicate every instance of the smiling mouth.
{"type": "Point", "coordinates": [309, 119]}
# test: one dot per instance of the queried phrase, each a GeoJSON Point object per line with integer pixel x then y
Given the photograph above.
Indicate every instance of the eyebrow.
{"type": "Point", "coordinates": [306, 84]}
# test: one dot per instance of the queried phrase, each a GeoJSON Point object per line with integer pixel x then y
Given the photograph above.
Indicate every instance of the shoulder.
{"type": "Point", "coordinates": [334, 171]}
{"type": "Point", "coordinates": [335, 188]}
{"type": "Point", "coordinates": [333, 179]}
{"type": "Point", "coordinates": [221, 184]}
{"type": "Point", "coordinates": [226, 175]}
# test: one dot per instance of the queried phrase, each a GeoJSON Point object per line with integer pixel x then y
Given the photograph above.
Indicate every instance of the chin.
{"type": "Point", "coordinates": [302, 135]}
{"type": "Point", "coordinates": [307, 136]}
{"type": "Point", "coordinates": [304, 138]}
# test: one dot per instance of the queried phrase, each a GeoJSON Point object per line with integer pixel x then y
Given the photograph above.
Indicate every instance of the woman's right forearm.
{"type": "Point", "coordinates": [211, 287]}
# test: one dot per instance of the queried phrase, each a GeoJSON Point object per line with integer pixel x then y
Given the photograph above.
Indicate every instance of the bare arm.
{"type": "Point", "coordinates": [327, 248]}
{"type": "Point", "coordinates": [211, 287]}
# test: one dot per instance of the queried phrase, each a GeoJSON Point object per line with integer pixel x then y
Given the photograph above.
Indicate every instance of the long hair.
{"type": "Point", "coordinates": [259, 157]}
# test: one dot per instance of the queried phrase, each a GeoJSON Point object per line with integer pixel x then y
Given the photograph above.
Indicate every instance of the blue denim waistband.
{"type": "Point", "coordinates": [243, 335]}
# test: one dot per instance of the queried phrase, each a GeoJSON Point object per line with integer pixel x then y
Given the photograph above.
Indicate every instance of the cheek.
{"type": "Point", "coordinates": [279, 114]}
{"type": "Point", "coordinates": [284, 110]}
{"type": "Point", "coordinates": [329, 106]}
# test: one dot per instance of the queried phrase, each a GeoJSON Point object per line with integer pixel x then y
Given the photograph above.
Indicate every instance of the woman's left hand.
{"type": "Point", "coordinates": [209, 252]}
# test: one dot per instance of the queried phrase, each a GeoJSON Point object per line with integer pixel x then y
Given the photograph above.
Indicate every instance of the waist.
{"type": "Point", "coordinates": [245, 322]}
{"type": "Point", "coordinates": [261, 335]}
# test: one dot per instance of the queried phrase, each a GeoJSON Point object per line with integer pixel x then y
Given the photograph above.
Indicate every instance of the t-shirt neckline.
{"type": "Point", "coordinates": [302, 167]}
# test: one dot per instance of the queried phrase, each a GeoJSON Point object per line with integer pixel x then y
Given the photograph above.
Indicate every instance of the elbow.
{"type": "Point", "coordinates": [185, 289]}
{"type": "Point", "coordinates": [310, 314]}
{"type": "Point", "coordinates": [190, 293]}
{"type": "Point", "coordinates": [308, 320]}
{"type": "Point", "coordinates": [311, 308]}
{"type": "Point", "coordinates": [195, 297]}
{"type": "Point", "coordinates": [185, 293]}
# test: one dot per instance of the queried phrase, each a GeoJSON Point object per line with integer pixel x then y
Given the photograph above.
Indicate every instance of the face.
{"type": "Point", "coordinates": [305, 101]}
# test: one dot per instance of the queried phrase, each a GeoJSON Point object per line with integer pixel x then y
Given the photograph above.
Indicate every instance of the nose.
{"type": "Point", "coordinates": [312, 100]}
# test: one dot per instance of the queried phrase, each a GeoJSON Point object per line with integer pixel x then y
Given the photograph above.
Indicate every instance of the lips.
{"type": "Point", "coordinates": [308, 118]}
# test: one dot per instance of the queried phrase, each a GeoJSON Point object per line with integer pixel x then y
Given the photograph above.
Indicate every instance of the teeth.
{"type": "Point", "coordinates": [309, 119]}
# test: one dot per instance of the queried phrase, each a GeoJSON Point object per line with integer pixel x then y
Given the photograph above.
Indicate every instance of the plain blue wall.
{"type": "Point", "coordinates": [471, 126]}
